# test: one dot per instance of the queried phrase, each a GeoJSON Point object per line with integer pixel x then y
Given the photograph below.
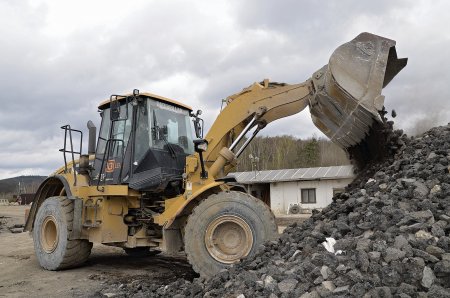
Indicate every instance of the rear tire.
{"type": "Point", "coordinates": [52, 226]}
{"type": "Point", "coordinates": [225, 228]}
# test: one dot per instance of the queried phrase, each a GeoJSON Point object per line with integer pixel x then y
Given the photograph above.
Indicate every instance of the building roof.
{"type": "Point", "coordinates": [301, 174]}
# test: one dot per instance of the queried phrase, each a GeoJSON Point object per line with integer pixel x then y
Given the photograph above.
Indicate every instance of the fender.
{"type": "Point", "coordinates": [175, 206]}
{"type": "Point", "coordinates": [52, 186]}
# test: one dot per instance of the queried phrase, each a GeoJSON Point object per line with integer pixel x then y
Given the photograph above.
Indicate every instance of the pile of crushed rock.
{"type": "Point", "coordinates": [391, 231]}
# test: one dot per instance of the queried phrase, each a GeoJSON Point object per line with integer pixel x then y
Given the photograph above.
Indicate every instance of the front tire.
{"type": "Point", "coordinates": [52, 226]}
{"type": "Point", "coordinates": [225, 228]}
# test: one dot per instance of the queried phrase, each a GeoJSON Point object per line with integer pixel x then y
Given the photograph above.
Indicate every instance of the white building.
{"type": "Point", "coordinates": [294, 191]}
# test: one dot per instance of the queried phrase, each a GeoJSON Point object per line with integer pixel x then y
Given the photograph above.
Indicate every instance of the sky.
{"type": "Point", "coordinates": [59, 59]}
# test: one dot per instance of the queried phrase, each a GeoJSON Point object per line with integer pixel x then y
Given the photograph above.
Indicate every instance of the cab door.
{"type": "Point", "coordinates": [113, 143]}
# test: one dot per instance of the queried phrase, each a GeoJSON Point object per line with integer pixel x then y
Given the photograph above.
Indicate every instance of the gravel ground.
{"type": "Point", "coordinates": [391, 229]}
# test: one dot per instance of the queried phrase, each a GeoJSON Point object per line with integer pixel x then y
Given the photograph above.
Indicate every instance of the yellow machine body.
{"type": "Point", "coordinates": [344, 98]}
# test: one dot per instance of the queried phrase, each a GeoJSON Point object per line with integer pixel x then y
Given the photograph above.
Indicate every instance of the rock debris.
{"type": "Point", "coordinates": [392, 225]}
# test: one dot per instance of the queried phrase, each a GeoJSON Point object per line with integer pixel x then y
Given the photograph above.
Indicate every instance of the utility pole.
{"type": "Point", "coordinates": [255, 163]}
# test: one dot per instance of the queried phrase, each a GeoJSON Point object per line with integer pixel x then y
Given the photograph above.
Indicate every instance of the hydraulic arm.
{"type": "Point", "coordinates": [344, 98]}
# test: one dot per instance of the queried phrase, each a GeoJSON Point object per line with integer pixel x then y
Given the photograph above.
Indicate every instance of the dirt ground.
{"type": "Point", "coordinates": [107, 267]}
{"type": "Point", "coordinates": [21, 275]}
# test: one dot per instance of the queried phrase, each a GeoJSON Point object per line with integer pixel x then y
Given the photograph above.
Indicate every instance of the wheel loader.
{"type": "Point", "coordinates": [147, 184]}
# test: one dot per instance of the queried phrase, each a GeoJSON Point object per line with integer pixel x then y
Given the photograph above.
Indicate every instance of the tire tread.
{"type": "Point", "coordinates": [76, 251]}
{"type": "Point", "coordinates": [191, 228]}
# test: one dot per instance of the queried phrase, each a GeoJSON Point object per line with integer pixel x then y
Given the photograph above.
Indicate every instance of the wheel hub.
{"type": "Point", "coordinates": [228, 239]}
{"type": "Point", "coordinates": [49, 234]}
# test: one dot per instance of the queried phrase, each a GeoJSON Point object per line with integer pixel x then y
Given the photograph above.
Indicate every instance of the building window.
{"type": "Point", "coordinates": [337, 191]}
{"type": "Point", "coordinates": [308, 196]}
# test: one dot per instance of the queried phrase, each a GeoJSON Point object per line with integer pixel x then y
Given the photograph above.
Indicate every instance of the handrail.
{"type": "Point", "coordinates": [68, 131]}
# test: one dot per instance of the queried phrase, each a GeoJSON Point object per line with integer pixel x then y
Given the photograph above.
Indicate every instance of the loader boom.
{"type": "Point", "coordinates": [344, 98]}
{"type": "Point", "coordinates": [255, 106]}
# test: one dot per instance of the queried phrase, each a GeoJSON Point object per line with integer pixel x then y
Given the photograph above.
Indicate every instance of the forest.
{"type": "Point", "coordinates": [287, 152]}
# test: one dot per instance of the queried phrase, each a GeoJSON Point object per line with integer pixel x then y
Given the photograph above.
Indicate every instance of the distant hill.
{"type": "Point", "coordinates": [28, 184]}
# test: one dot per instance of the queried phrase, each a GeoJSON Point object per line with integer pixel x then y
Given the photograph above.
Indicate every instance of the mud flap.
{"type": "Point", "coordinates": [173, 241]}
{"type": "Point", "coordinates": [77, 218]}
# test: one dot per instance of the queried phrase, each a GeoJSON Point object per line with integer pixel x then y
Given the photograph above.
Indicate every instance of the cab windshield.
{"type": "Point", "coordinates": [169, 125]}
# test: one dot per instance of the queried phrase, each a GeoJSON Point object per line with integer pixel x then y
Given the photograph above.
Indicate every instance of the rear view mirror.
{"type": "Point", "coordinates": [198, 124]}
{"type": "Point", "coordinates": [116, 103]}
{"type": "Point", "coordinates": [115, 109]}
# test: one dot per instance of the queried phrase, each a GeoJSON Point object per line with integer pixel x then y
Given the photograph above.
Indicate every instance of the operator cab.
{"type": "Point", "coordinates": [143, 142]}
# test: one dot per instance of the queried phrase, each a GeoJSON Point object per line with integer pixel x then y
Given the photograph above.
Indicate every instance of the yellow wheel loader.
{"type": "Point", "coordinates": [148, 185]}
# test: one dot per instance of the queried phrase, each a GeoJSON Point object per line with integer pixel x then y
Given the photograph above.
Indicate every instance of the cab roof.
{"type": "Point", "coordinates": [105, 104]}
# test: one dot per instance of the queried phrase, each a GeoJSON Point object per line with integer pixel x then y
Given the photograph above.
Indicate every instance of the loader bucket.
{"type": "Point", "coordinates": [347, 97]}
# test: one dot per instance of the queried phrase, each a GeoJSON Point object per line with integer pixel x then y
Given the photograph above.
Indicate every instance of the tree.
{"type": "Point", "coordinates": [285, 152]}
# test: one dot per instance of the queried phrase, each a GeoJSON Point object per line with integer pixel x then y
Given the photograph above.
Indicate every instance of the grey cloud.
{"type": "Point", "coordinates": [49, 81]}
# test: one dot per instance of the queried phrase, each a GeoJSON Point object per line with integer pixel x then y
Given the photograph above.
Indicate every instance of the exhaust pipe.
{"type": "Point", "coordinates": [347, 98]}
{"type": "Point", "coordinates": [92, 137]}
